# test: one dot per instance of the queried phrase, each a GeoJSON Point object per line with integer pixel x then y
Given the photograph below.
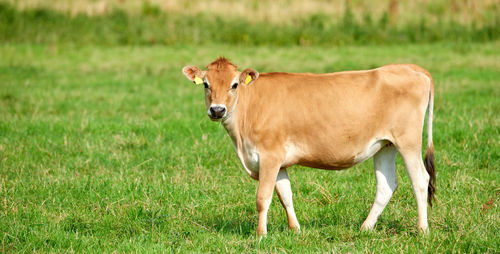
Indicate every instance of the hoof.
{"type": "Point", "coordinates": [261, 233]}
{"type": "Point", "coordinates": [295, 228]}
{"type": "Point", "coordinates": [423, 231]}
{"type": "Point", "coordinates": [260, 237]}
{"type": "Point", "coordinates": [365, 227]}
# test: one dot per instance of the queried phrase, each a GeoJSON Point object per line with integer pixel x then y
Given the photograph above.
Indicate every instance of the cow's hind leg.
{"type": "Point", "coordinates": [419, 180]}
{"type": "Point", "coordinates": [284, 191]}
{"type": "Point", "coordinates": [385, 173]}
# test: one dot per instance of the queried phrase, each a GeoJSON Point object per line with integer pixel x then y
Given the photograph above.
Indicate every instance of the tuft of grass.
{"type": "Point", "coordinates": [107, 149]}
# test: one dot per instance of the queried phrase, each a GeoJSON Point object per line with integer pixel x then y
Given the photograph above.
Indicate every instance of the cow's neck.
{"type": "Point", "coordinates": [247, 154]}
{"type": "Point", "coordinates": [233, 123]}
{"type": "Point", "coordinates": [232, 127]}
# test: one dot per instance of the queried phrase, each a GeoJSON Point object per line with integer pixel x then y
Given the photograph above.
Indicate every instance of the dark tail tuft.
{"type": "Point", "coordinates": [429, 166]}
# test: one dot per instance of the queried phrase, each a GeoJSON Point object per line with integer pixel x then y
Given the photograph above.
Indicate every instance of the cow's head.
{"type": "Point", "coordinates": [221, 80]}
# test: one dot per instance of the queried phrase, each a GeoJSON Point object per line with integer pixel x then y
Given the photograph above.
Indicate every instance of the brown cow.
{"type": "Point", "coordinates": [325, 121]}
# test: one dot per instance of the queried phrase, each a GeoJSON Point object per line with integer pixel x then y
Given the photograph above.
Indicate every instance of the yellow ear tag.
{"type": "Point", "coordinates": [248, 79]}
{"type": "Point", "coordinates": [198, 80]}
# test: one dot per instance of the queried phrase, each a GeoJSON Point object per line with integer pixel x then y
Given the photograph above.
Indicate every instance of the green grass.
{"type": "Point", "coordinates": [108, 149]}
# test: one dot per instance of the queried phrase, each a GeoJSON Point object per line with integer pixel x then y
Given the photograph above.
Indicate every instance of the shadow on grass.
{"type": "Point", "coordinates": [344, 225]}
{"type": "Point", "coordinates": [232, 225]}
{"type": "Point", "coordinates": [393, 227]}
{"type": "Point", "coordinates": [244, 225]}
{"type": "Point", "coordinates": [336, 223]}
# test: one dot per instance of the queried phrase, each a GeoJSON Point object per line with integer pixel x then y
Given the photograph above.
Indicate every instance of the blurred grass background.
{"type": "Point", "coordinates": [282, 22]}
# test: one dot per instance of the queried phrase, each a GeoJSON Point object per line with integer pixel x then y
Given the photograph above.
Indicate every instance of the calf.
{"type": "Point", "coordinates": [326, 121]}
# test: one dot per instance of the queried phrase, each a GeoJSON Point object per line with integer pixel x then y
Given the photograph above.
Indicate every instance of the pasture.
{"type": "Point", "coordinates": [108, 149]}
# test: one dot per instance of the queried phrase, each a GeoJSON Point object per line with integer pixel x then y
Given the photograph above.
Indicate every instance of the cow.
{"type": "Point", "coordinates": [326, 121]}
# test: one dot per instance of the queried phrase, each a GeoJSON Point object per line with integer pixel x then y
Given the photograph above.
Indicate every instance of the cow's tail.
{"type": "Point", "coordinates": [429, 155]}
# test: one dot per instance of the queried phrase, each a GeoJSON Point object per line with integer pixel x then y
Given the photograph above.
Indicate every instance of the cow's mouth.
{"type": "Point", "coordinates": [215, 118]}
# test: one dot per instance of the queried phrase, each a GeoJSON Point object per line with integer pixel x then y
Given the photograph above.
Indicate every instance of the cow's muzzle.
{"type": "Point", "coordinates": [216, 112]}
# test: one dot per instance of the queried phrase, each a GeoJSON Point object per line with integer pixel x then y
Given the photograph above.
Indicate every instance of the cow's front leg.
{"type": "Point", "coordinates": [284, 191]}
{"type": "Point", "coordinates": [268, 171]}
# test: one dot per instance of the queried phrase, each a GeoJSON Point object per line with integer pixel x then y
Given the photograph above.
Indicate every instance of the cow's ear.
{"type": "Point", "coordinates": [248, 76]}
{"type": "Point", "coordinates": [194, 74]}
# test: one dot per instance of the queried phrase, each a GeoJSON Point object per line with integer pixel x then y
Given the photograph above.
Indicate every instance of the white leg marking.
{"type": "Point", "coordinates": [385, 173]}
{"type": "Point", "coordinates": [284, 191]}
{"type": "Point", "coordinates": [419, 180]}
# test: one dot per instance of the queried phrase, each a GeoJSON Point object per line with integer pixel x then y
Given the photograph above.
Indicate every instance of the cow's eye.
{"type": "Point", "coordinates": [234, 86]}
{"type": "Point", "coordinates": [205, 84]}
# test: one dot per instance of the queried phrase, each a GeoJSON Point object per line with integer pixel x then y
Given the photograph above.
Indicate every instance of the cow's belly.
{"type": "Point", "coordinates": [331, 158]}
{"type": "Point", "coordinates": [326, 158]}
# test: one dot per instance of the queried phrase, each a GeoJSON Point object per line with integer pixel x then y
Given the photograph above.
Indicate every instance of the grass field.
{"type": "Point", "coordinates": [108, 149]}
